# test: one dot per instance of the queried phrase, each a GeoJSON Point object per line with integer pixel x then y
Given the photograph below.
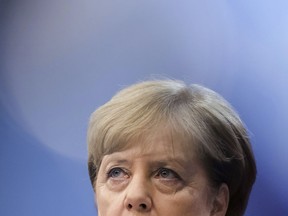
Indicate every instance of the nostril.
{"type": "Point", "coordinates": [143, 206]}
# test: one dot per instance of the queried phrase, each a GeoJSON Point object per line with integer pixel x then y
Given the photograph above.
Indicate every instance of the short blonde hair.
{"type": "Point", "coordinates": [201, 116]}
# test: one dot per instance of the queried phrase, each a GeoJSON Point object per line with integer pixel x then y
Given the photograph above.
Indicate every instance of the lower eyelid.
{"type": "Point", "coordinates": [169, 185]}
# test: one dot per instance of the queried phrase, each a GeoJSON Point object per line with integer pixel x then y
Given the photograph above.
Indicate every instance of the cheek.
{"type": "Point", "coordinates": [184, 203]}
{"type": "Point", "coordinates": [108, 204]}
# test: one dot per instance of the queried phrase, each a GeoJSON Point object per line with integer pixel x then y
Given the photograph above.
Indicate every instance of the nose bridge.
{"type": "Point", "coordinates": [138, 194]}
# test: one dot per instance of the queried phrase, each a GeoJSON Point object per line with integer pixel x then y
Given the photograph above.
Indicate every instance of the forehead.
{"type": "Point", "coordinates": [161, 142]}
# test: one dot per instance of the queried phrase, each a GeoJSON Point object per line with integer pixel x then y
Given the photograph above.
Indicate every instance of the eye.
{"type": "Point", "coordinates": [166, 173]}
{"type": "Point", "coordinates": [117, 172]}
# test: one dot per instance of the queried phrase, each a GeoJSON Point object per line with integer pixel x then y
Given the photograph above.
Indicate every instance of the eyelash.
{"type": "Point", "coordinates": [111, 173]}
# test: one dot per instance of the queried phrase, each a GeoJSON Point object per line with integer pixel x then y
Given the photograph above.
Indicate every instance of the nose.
{"type": "Point", "coordinates": [138, 196]}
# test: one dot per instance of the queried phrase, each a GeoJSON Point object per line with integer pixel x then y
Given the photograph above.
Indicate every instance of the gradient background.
{"type": "Point", "coordinates": [60, 59]}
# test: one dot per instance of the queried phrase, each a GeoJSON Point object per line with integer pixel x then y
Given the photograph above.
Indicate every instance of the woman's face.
{"type": "Point", "coordinates": [155, 177]}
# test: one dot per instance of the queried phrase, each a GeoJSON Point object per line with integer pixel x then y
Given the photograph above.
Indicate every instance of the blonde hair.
{"type": "Point", "coordinates": [201, 116]}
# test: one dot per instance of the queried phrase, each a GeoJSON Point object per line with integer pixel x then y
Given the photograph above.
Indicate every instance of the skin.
{"type": "Point", "coordinates": [156, 177]}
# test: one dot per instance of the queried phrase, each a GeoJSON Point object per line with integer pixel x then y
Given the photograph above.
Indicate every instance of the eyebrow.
{"type": "Point", "coordinates": [115, 161]}
{"type": "Point", "coordinates": [160, 162]}
{"type": "Point", "coordinates": [119, 161]}
{"type": "Point", "coordinates": [168, 161]}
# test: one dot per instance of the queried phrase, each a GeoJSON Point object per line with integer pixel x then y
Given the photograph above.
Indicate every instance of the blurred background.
{"type": "Point", "coordinates": [60, 60]}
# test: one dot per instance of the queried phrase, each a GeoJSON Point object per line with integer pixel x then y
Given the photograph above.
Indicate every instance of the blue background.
{"type": "Point", "coordinates": [60, 60]}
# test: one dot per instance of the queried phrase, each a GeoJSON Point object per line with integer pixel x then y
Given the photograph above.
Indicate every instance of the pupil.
{"type": "Point", "coordinates": [164, 173]}
{"type": "Point", "coordinates": [115, 173]}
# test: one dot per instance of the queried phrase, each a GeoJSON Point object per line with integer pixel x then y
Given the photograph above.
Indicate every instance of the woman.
{"type": "Point", "coordinates": [164, 148]}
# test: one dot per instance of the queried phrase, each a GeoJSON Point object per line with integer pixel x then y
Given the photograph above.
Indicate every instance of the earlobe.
{"type": "Point", "coordinates": [221, 201]}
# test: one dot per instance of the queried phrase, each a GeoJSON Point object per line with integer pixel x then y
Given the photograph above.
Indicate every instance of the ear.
{"type": "Point", "coordinates": [221, 201]}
